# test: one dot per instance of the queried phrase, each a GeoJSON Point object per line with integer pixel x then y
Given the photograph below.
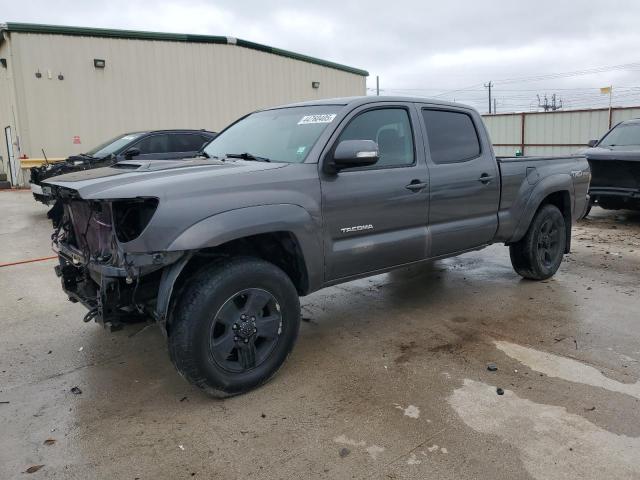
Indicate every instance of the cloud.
{"type": "Point", "coordinates": [415, 47]}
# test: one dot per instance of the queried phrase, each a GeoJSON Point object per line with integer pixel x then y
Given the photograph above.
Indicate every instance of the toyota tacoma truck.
{"type": "Point", "coordinates": [218, 249]}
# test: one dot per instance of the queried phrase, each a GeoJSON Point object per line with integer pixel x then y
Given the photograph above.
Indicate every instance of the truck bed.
{"type": "Point", "coordinates": [520, 179]}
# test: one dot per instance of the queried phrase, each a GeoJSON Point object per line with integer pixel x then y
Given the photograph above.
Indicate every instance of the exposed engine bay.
{"type": "Point", "coordinates": [116, 286]}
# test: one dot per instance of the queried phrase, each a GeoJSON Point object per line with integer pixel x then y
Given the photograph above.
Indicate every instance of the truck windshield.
{"type": "Point", "coordinates": [623, 135]}
{"type": "Point", "coordinates": [113, 145]}
{"type": "Point", "coordinates": [280, 135]}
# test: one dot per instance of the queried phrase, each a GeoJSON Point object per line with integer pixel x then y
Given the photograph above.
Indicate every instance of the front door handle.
{"type": "Point", "coordinates": [416, 186]}
{"type": "Point", "coordinates": [485, 178]}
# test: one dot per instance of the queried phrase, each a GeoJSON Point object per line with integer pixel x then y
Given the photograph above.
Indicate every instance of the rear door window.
{"type": "Point", "coordinates": [452, 136]}
{"type": "Point", "coordinates": [154, 144]}
{"type": "Point", "coordinates": [187, 142]}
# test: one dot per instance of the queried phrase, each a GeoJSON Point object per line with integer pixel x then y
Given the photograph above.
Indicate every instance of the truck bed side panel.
{"type": "Point", "coordinates": [526, 182]}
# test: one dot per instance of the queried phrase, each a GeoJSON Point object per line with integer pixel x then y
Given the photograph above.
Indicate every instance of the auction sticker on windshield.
{"type": "Point", "coordinates": [323, 118]}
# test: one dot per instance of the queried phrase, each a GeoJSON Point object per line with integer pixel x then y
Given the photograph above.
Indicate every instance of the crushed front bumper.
{"type": "Point", "coordinates": [113, 294]}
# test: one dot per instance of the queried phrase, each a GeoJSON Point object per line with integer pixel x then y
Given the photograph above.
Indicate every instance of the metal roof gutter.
{"type": "Point", "coordinates": [170, 37]}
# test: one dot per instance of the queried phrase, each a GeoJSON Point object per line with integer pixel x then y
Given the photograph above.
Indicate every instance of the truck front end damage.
{"type": "Point", "coordinates": [90, 237]}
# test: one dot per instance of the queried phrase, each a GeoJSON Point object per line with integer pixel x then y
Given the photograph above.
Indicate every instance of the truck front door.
{"type": "Point", "coordinates": [376, 217]}
{"type": "Point", "coordinates": [465, 181]}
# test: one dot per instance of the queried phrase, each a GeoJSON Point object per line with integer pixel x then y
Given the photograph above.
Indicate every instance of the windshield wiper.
{"type": "Point", "coordinates": [247, 156]}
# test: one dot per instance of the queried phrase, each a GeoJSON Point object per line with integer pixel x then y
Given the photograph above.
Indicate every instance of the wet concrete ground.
{"type": "Point", "coordinates": [388, 380]}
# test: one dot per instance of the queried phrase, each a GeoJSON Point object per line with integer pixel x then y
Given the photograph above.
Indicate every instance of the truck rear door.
{"type": "Point", "coordinates": [376, 217]}
{"type": "Point", "coordinates": [465, 180]}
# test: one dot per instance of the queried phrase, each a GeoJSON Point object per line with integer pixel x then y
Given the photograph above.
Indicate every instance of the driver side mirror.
{"type": "Point", "coordinates": [592, 143]}
{"type": "Point", "coordinates": [132, 152]}
{"type": "Point", "coordinates": [354, 153]}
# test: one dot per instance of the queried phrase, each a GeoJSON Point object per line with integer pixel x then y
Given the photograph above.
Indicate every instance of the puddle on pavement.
{"type": "Point", "coordinates": [553, 443]}
{"type": "Point", "coordinates": [566, 369]}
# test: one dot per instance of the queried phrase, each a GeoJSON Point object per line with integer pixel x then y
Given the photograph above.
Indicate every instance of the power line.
{"type": "Point", "coordinates": [575, 73]}
{"type": "Point", "coordinates": [549, 76]}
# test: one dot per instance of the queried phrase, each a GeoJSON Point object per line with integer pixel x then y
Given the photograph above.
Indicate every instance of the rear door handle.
{"type": "Point", "coordinates": [416, 186]}
{"type": "Point", "coordinates": [485, 178]}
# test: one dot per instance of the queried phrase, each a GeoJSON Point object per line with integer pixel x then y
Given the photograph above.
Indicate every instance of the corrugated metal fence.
{"type": "Point", "coordinates": [552, 133]}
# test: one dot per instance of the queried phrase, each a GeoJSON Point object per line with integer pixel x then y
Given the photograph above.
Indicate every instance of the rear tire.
{"type": "Point", "coordinates": [234, 326]}
{"type": "Point", "coordinates": [538, 255]}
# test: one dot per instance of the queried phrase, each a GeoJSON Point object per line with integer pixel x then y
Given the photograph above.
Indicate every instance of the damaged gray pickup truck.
{"type": "Point", "coordinates": [286, 201]}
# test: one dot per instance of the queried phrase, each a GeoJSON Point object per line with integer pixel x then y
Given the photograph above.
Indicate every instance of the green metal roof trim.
{"type": "Point", "coordinates": [171, 37]}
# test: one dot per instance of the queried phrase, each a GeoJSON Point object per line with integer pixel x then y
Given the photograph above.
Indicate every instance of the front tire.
{"type": "Point", "coordinates": [537, 256]}
{"type": "Point", "coordinates": [234, 326]}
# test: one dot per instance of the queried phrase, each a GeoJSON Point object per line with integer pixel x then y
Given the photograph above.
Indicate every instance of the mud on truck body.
{"type": "Point", "coordinates": [286, 201]}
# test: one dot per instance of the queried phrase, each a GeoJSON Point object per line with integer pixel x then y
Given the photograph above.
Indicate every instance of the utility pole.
{"type": "Point", "coordinates": [377, 86]}
{"type": "Point", "coordinates": [610, 111]}
{"type": "Point", "coordinates": [489, 85]}
{"type": "Point", "coordinates": [495, 106]}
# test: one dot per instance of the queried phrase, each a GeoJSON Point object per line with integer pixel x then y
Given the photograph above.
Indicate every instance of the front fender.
{"type": "Point", "coordinates": [560, 182]}
{"type": "Point", "coordinates": [248, 221]}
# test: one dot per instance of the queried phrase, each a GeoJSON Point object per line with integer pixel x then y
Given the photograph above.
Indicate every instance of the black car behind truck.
{"type": "Point", "coordinates": [156, 145]}
{"type": "Point", "coordinates": [615, 167]}
{"type": "Point", "coordinates": [287, 201]}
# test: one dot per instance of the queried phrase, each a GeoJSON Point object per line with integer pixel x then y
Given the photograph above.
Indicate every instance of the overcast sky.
{"type": "Point", "coordinates": [417, 47]}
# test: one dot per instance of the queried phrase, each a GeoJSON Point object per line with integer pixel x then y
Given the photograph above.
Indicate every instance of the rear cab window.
{"type": "Point", "coordinates": [451, 135]}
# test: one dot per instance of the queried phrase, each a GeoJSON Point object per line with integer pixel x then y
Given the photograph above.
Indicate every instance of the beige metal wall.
{"type": "Point", "coordinates": [149, 85]}
{"type": "Point", "coordinates": [6, 87]}
{"type": "Point", "coordinates": [552, 133]}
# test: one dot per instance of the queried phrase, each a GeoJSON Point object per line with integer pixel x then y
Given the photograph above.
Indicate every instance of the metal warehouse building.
{"type": "Point", "coordinates": [67, 89]}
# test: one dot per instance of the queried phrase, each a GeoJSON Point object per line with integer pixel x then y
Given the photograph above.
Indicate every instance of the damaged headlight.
{"type": "Point", "coordinates": [132, 216]}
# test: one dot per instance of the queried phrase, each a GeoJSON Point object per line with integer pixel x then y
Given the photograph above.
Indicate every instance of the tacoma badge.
{"type": "Point", "coordinates": [356, 228]}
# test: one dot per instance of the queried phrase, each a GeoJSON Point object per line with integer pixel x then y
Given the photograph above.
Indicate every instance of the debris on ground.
{"type": "Point", "coordinates": [499, 391]}
{"type": "Point", "coordinates": [184, 398]}
{"type": "Point", "coordinates": [590, 409]}
{"type": "Point", "coordinates": [309, 320]}
{"type": "Point", "coordinates": [344, 452]}
{"type": "Point", "coordinates": [80, 349]}
{"type": "Point", "coordinates": [33, 468]}
{"type": "Point", "coordinates": [492, 367]}
{"type": "Point", "coordinates": [76, 390]}
{"type": "Point", "coordinates": [49, 441]}
{"type": "Point", "coordinates": [181, 447]}
{"type": "Point", "coordinates": [5, 401]}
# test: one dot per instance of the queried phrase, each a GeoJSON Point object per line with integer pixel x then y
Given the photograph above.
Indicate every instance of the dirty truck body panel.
{"type": "Point", "coordinates": [131, 234]}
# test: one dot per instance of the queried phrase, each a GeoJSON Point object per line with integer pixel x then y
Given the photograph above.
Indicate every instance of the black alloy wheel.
{"type": "Point", "coordinates": [245, 330]}
{"type": "Point", "coordinates": [549, 248]}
